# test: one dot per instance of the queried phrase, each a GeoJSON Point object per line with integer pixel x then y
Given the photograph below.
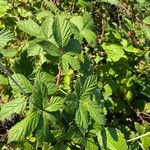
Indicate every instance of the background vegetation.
{"type": "Point", "coordinates": [75, 74]}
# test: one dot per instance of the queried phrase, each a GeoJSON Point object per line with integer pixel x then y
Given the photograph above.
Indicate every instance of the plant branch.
{"type": "Point", "coordinates": [73, 7]}
{"type": "Point", "coordinates": [138, 137]}
{"type": "Point", "coordinates": [58, 77]}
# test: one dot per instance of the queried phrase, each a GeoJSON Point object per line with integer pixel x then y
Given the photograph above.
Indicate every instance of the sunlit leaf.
{"type": "Point", "coordinates": [56, 103]}
{"type": "Point", "coordinates": [81, 117]}
{"type": "Point", "coordinates": [5, 36]}
{"type": "Point", "coordinates": [114, 139]}
{"type": "Point", "coordinates": [114, 52]}
{"type": "Point", "coordinates": [89, 86]}
{"type": "Point", "coordinates": [16, 105]}
{"type": "Point", "coordinates": [62, 31]}
{"type": "Point", "coordinates": [22, 83]}
{"type": "Point", "coordinates": [24, 128]}
{"type": "Point", "coordinates": [30, 27]}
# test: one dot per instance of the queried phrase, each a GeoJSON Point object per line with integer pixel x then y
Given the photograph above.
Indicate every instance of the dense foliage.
{"type": "Point", "coordinates": [75, 74]}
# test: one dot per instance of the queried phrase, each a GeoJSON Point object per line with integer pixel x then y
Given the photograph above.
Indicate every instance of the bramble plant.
{"type": "Point", "coordinates": [75, 74]}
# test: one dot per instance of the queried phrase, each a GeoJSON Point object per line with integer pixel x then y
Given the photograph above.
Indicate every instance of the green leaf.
{"type": "Point", "coordinates": [78, 22]}
{"type": "Point", "coordinates": [52, 88]}
{"type": "Point", "coordinates": [24, 64]}
{"type": "Point", "coordinates": [23, 83]}
{"type": "Point", "coordinates": [84, 3]}
{"type": "Point", "coordinates": [114, 139]}
{"type": "Point", "coordinates": [4, 6]}
{"type": "Point", "coordinates": [51, 49]}
{"type": "Point", "coordinates": [90, 37]}
{"type": "Point", "coordinates": [73, 47]}
{"type": "Point", "coordinates": [9, 52]}
{"type": "Point", "coordinates": [89, 86]}
{"type": "Point", "coordinates": [145, 142]}
{"type": "Point", "coordinates": [40, 93]}
{"type": "Point", "coordinates": [55, 103]}
{"type": "Point", "coordinates": [61, 31]}
{"type": "Point", "coordinates": [132, 49]}
{"type": "Point", "coordinates": [124, 43]}
{"type": "Point", "coordinates": [5, 36]}
{"type": "Point", "coordinates": [88, 21]}
{"type": "Point", "coordinates": [114, 51]}
{"type": "Point", "coordinates": [43, 133]}
{"type": "Point", "coordinates": [47, 27]}
{"type": "Point", "coordinates": [111, 1]}
{"type": "Point", "coordinates": [17, 105]}
{"type": "Point", "coordinates": [147, 20]}
{"type": "Point", "coordinates": [3, 80]}
{"type": "Point", "coordinates": [52, 6]}
{"type": "Point", "coordinates": [23, 12]}
{"type": "Point", "coordinates": [71, 103]}
{"type": "Point", "coordinates": [95, 111]}
{"type": "Point", "coordinates": [91, 145]}
{"type": "Point", "coordinates": [147, 107]}
{"type": "Point", "coordinates": [34, 49]}
{"type": "Point", "coordinates": [67, 61]}
{"type": "Point", "coordinates": [61, 146]}
{"type": "Point", "coordinates": [30, 27]}
{"type": "Point", "coordinates": [81, 117]}
{"type": "Point", "coordinates": [139, 128]}
{"type": "Point", "coordinates": [85, 27]}
{"type": "Point", "coordinates": [24, 128]}
{"type": "Point", "coordinates": [47, 79]}
{"type": "Point", "coordinates": [146, 30]}
{"type": "Point", "coordinates": [108, 91]}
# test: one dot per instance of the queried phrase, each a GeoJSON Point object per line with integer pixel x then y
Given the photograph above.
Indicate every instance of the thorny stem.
{"type": "Point", "coordinates": [58, 77]}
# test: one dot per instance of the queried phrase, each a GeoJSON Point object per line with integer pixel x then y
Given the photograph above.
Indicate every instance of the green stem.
{"type": "Point", "coordinates": [138, 137]}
